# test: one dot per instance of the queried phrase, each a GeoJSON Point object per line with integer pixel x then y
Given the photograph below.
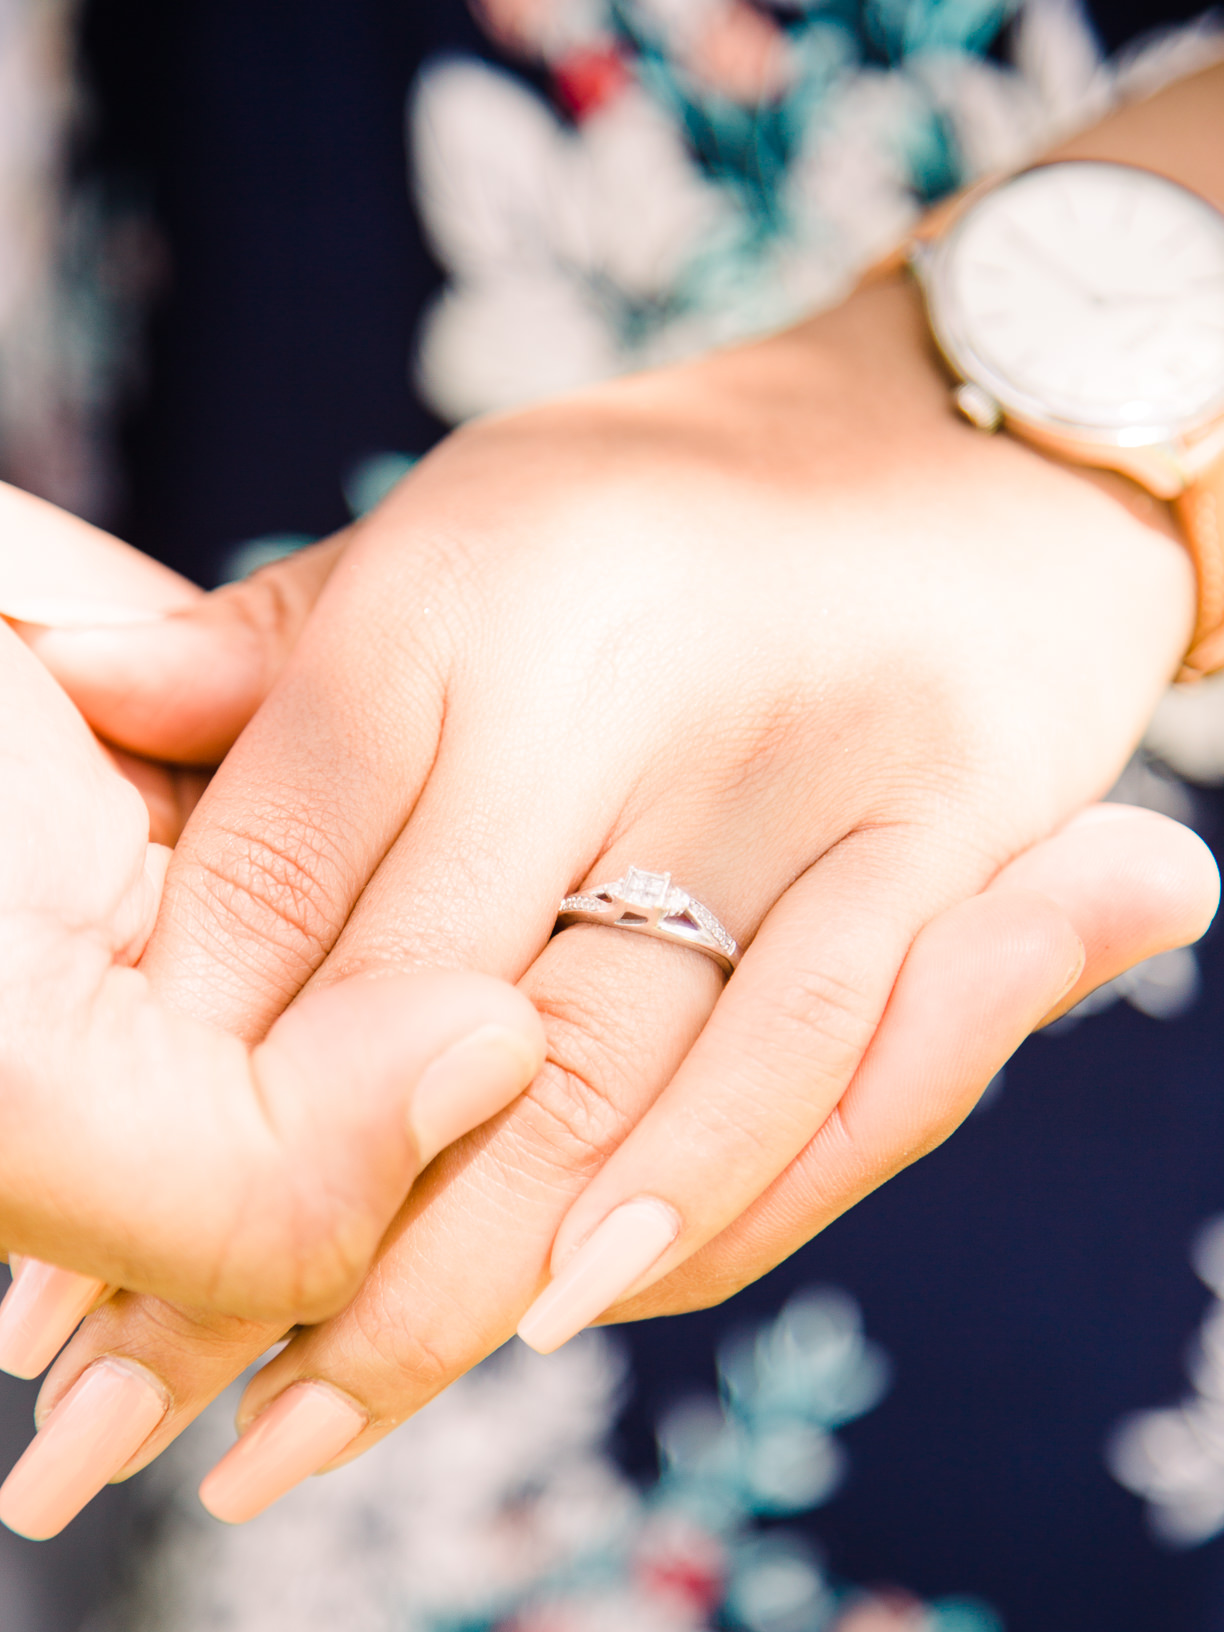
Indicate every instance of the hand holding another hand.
{"type": "Point", "coordinates": [145, 1148]}
{"type": "Point", "coordinates": [839, 668]}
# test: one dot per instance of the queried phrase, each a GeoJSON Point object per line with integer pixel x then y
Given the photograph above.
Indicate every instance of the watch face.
{"type": "Point", "coordinates": [1089, 296]}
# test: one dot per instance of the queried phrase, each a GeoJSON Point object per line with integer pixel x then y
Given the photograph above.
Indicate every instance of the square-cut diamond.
{"type": "Point", "coordinates": [645, 889]}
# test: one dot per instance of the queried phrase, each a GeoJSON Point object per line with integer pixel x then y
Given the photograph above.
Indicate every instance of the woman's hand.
{"type": "Point", "coordinates": [775, 622]}
{"type": "Point", "coordinates": [148, 1149]}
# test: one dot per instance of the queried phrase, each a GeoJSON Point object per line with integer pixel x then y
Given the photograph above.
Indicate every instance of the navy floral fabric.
{"type": "Point", "coordinates": [1030, 1283]}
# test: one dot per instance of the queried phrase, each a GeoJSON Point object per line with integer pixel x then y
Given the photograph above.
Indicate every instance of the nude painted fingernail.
{"type": "Point", "coordinates": [94, 1431]}
{"type": "Point", "coordinates": [40, 1312]}
{"type": "Point", "coordinates": [298, 1434]}
{"type": "Point", "coordinates": [54, 612]}
{"type": "Point", "coordinates": [616, 1255]}
{"type": "Point", "coordinates": [467, 1085]}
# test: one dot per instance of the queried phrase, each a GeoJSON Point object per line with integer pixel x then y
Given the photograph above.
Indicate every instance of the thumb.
{"type": "Point", "coordinates": [370, 1079]}
{"type": "Point", "coordinates": [180, 687]}
{"type": "Point", "coordinates": [57, 569]}
{"type": "Point", "coordinates": [262, 1185]}
{"type": "Point", "coordinates": [287, 1190]}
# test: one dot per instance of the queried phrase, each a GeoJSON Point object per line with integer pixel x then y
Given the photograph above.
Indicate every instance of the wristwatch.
{"type": "Point", "coordinates": [1080, 305]}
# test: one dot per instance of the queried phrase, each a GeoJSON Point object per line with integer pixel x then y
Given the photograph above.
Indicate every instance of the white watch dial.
{"type": "Point", "coordinates": [1091, 295]}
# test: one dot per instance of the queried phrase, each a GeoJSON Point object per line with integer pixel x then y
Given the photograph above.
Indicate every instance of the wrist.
{"type": "Point", "coordinates": [870, 405]}
{"type": "Point", "coordinates": [1179, 133]}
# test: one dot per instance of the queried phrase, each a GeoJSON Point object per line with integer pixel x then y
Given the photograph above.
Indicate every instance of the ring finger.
{"type": "Point", "coordinates": [413, 1327]}
{"type": "Point", "coordinates": [469, 1248]}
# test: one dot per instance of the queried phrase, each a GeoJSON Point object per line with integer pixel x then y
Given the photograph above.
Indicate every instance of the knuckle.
{"type": "Point", "coordinates": [414, 1362]}
{"type": "Point", "coordinates": [838, 1148]}
{"type": "Point", "coordinates": [582, 1102]}
{"type": "Point", "coordinates": [822, 1020]}
{"type": "Point", "coordinates": [282, 887]}
{"type": "Point", "coordinates": [272, 605]}
{"type": "Point", "coordinates": [565, 1129]}
{"type": "Point", "coordinates": [177, 1331]}
{"type": "Point", "coordinates": [178, 1342]}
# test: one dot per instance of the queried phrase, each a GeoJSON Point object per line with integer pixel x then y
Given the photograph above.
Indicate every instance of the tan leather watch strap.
{"type": "Point", "coordinates": [1200, 510]}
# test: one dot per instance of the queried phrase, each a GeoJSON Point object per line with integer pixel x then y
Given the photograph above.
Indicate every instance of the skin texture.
{"type": "Point", "coordinates": [264, 1181]}
{"type": "Point", "coordinates": [774, 621]}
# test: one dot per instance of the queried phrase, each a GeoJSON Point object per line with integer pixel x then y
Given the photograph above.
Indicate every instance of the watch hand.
{"type": "Point", "coordinates": [1132, 342]}
{"type": "Point", "coordinates": [1062, 274]}
{"type": "Point", "coordinates": [1124, 299]}
{"type": "Point", "coordinates": [1066, 275]}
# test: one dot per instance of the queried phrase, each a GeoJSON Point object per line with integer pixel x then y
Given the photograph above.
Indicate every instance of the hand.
{"type": "Point", "coordinates": [144, 1148]}
{"type": "Point", "coordinates": [776, 622]}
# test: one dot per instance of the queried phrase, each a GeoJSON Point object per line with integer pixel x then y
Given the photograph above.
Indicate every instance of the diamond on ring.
{"type": "Point", "coordinates": [645, 889]}
{"type": "Point", "coordinates": [650, 904]}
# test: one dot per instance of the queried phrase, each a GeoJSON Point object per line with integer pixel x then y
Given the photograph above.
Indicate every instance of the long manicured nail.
{"type": "Point", "coordinates": [471, 1082]}
{"type": "Point", "coordinates": [94, 1431]}
{"type": "Point", "coordinates": [299, 1433]}
{"type": "Point", "coordinates": [40, 1312]}
{"type": "Point", "coordinates": [54, 612]}
{"type": "Point", "coordinates": [619, 1252]}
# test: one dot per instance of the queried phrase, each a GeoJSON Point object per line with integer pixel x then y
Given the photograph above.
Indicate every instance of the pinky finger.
{"type": "Point", "coordinates": [975, 983]}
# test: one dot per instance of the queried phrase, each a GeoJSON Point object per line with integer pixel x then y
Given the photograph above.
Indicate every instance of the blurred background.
{"type": "Point", "coordinates": [255, 258]}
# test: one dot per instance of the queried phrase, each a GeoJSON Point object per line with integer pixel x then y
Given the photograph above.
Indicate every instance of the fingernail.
{"type": "Point", "coordinates": [298, 1434]}
{"type": "Point", "coordinates": [1073, 974]}
{"type": "Point", "coordinates": [50, 612]}
{"type": "Point", "coordinates": [1092, 814]}
{"type": "Point", "coordinates": [471, 1082]}
{"type": "Point", "coordinates": [40, 1312]}
{"type": "Point", "coordinates": [94, 1431]}
{"type": "Point", "coordinates": [619, 1252]}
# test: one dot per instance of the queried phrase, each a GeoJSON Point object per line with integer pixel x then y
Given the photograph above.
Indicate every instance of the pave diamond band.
{"type": "Point", "coordinates": [650, 904]}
